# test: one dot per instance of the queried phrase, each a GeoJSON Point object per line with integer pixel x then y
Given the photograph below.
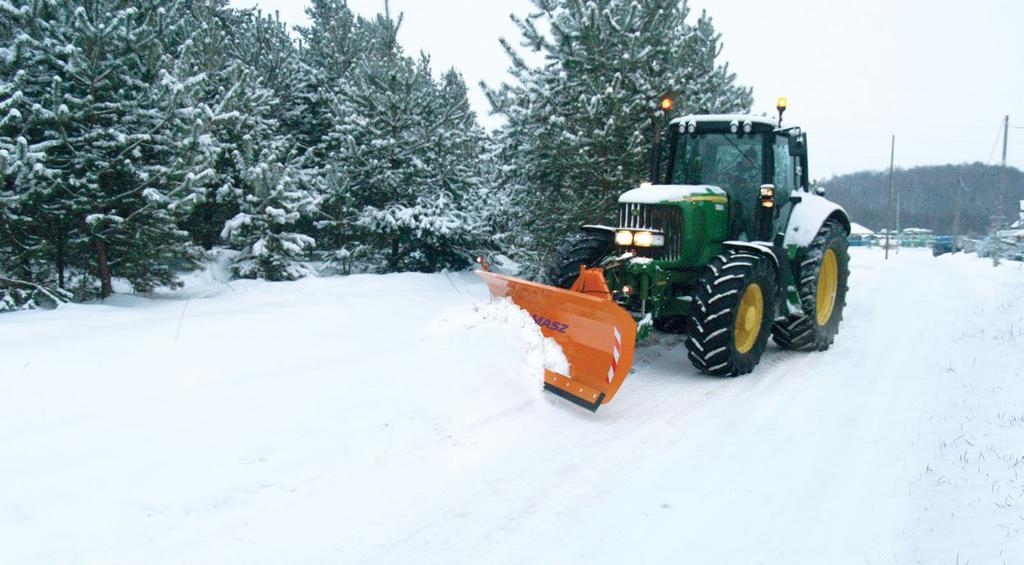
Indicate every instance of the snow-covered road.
{"type": "Point", "coordinates": [398, 419]}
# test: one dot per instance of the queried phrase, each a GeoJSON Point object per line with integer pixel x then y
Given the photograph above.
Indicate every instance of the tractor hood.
{"type": "Point", "coordinates": [665, 193]}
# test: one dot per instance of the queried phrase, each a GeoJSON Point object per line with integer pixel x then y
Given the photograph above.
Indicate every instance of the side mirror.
{"type": "Point", "coordinates": [819, 190]}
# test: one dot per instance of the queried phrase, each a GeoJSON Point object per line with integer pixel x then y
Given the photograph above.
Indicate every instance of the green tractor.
{"type": "Point", "coordinates": [729, 245]}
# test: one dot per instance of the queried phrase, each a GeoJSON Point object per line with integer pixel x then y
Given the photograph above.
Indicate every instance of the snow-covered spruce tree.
{"type": "Point", "coordinates": [122, 133]}
{"type": "Point", "coordinates": [580, 126]}
{"type": "Point", "coordinates": [410, 158]}
{"type": "Point", "coordinates": [275, 197]}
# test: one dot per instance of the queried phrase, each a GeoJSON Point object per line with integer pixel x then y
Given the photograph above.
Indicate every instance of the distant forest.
{"type": "Point", "coordinates": [930, 196]}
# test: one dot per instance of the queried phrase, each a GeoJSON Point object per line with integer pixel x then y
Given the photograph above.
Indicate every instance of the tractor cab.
{"type": "Point", "coordinates": [758, 165]}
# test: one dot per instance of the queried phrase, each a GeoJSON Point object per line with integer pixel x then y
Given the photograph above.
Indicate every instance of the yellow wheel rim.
{"type": "Point", "coordinates": [748, 318]}
{"type": "Point", "coordinates": [828, 284]}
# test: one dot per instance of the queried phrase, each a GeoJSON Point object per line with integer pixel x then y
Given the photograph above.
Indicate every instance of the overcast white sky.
{"type": "Point", "coordinates": [940, 74]}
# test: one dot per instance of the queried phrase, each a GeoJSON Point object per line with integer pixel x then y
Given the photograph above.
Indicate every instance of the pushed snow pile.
{"type": "Point", "coordinates": [504, 337]}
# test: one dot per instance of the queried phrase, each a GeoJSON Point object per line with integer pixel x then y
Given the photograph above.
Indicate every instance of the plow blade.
{"type": "Point", "coordinates": [596, 335]}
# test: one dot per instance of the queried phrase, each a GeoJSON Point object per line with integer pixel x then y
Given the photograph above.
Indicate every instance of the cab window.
{"type": "Point", "coordinates": [785, 166]}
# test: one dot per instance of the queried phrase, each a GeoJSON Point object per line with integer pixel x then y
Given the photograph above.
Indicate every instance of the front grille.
{"type": "Point", "coordinates": [665, 219]}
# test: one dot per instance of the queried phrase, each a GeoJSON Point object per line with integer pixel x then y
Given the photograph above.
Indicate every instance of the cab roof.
{"type": "Point", "coordinates": [728, 118]}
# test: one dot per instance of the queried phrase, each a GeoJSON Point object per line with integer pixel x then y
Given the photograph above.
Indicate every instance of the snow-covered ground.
{"type": "Point", "coordinates": [398, 419]}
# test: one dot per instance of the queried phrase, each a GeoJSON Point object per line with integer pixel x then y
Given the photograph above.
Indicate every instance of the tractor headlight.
{"type": "Point", "coordinates": [648, 239]}
{"type": "Point", "coordinates": [624, 237]}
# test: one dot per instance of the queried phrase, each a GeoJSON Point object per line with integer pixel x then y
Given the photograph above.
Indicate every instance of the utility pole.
{"type": "Point", "coordinates": [997, 222]}
{"type": "Point", "coordinates": [888, 227]}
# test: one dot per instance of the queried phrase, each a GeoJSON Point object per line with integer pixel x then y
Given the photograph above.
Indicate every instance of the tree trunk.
{"type": "Point", "coordinates": [106, 288]}
{"type": "Point", "coordinates": [394, 253]}
{"type": "Point", "coordinates": [60, 261]}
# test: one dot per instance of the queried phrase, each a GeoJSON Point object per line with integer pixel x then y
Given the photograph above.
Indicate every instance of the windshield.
{"type": "Point", "coordinates": [726, 160]}
{"type": "Point", "coordinates": [722, 159]}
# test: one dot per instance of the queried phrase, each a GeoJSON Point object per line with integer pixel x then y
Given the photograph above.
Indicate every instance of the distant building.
{"type": "Point", "coordinates": [857, 229]}
{"type": "Point", "coordinates": [861, 236]}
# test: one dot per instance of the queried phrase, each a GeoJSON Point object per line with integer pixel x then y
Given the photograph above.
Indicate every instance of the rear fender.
{"type": "Point", "coordinates": [807, 217]}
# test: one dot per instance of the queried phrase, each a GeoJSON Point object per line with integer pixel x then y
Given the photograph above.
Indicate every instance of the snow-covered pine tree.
{"type": "Point", "coordinates": [509, 218]}
{"type": "Point", "coordinates": [244, 56]}
{"type": "Point", "coordinates": [278, 188]}
{"type": "Point", "coordinates": [709, 84]}
{"type": "Point", "coordinates": [410, 157]}
{"type": "Point", "coordinates": [580, 127]}
{"type": "Point", "coordinates": [379, 129]}
{"type": "Point", "coordinates": [123, 135]}
{"type": "Point", "coordinates": [458, 208]}
{"type": "Point", "coordinates": [332, 47]}
{"type": "Point", "coordinates": [33, 234]}
{"type": "Point", "coordinates": [232, 91]}
{"type": "Point", "coordinates": [332, 50]}
{"type": "Point", "coordinates": [276, 195]}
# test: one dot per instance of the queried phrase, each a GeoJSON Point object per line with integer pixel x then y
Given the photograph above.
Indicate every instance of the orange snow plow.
{"type": "Point", "coordinates": [596, 335]}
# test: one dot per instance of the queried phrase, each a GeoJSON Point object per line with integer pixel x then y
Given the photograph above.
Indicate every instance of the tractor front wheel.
{"type": "Point", "coordinates": [731, 314]}
{"type": "Point", "coordinates": [584, 248]}
{"type": "Point", "coordinates": [823, 282]}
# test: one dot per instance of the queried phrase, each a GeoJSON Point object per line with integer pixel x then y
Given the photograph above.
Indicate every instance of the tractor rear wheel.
{"type": "Point", "coordinates": [585, 248]}
{"type": "Point", "coordinates": [731, 314]}
{"type": "Point", "coordinates": [823, 282]}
